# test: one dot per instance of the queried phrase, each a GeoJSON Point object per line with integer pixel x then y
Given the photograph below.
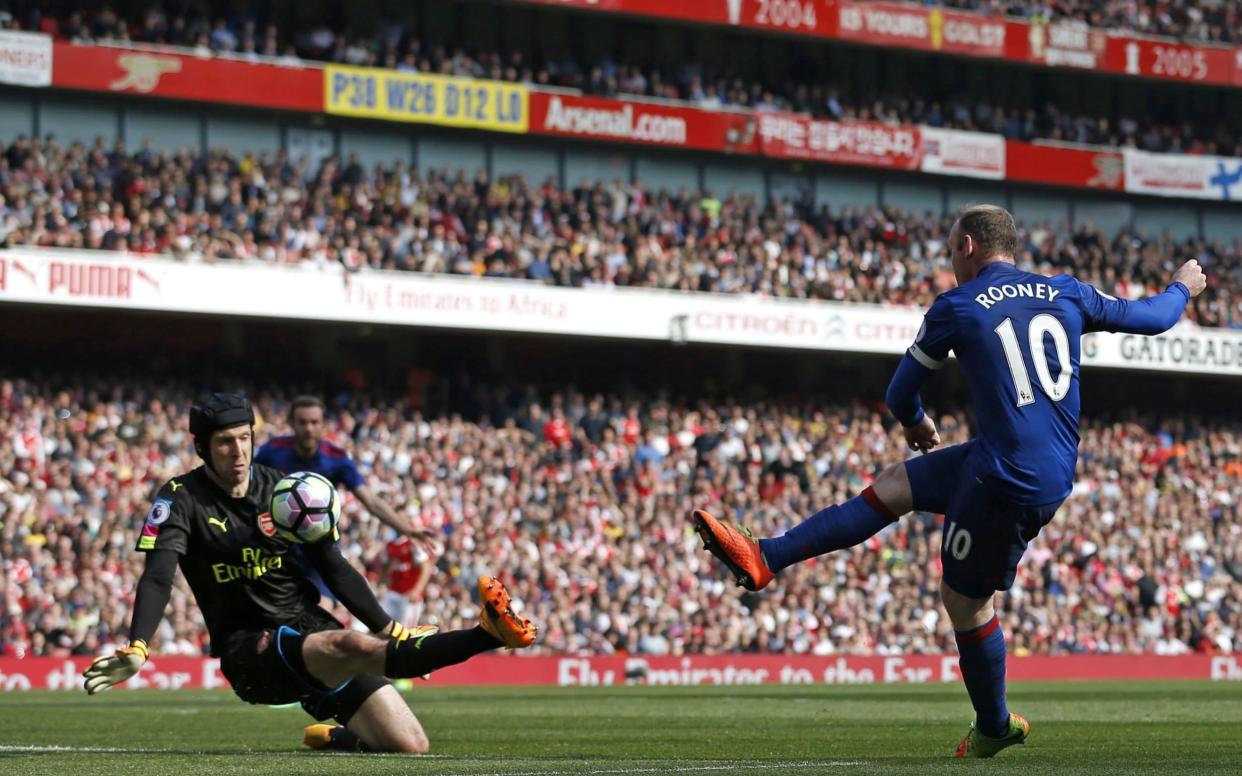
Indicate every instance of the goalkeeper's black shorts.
{"type": "Point", "coordinates": [278, 675]}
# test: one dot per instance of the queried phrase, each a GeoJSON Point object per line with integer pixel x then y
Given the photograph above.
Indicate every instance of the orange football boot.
{"type": "Point", "coordinates": [498, 618]}
{"type": "Point", "coordinates": [319, 736]}
{"type": "Point", "coordinates": [737, 548]}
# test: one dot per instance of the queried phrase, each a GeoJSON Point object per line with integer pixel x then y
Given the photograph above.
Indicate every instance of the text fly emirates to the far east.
{"type": "Point", "coordinates": [393, 95]}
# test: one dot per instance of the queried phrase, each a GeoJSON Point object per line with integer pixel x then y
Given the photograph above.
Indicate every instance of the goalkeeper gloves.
{"type": "Point", "coordinates": [115, 668]}
{"type": "Point", "coordinates": [398, 632]}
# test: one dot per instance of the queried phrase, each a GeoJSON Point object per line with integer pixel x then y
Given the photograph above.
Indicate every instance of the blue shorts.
{"type": "Point", "coordinates": [985, 531]}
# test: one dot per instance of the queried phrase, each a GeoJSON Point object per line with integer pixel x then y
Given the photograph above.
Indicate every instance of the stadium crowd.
{"type": "Point", "coordinates": [211, 206]}
{"type": "Point", "coordinates": [399, 45]}
{"type": "Point", "coordinates": [580, 502]}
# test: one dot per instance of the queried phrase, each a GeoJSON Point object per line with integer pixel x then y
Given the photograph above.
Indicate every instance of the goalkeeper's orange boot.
{"type": "Point", "coordinates": [317, 736]}
{"type": "Point", "coordinates": [737, 548]}
{"type": "Point", "coordinates": [336, 737]}
{"type": "Point", "coordinates": [498, 618]}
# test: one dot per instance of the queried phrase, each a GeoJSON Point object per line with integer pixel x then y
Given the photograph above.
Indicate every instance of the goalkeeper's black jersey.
{"type": "Point", "coordinates": [244, 577]}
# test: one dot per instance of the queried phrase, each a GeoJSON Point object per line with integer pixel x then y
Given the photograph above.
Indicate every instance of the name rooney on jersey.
{"type": "Point", "coordinates": [995, 294]}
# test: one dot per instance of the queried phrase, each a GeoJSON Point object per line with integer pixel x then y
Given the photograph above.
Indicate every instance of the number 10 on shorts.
{"type": "Point", "coordinates": [957, 541]}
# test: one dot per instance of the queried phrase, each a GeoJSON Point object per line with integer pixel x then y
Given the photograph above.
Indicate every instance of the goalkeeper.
{"type": "Point", "coordinates": [275, 644]}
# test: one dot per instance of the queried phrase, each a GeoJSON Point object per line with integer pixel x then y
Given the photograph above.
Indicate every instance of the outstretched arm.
{"type": "Point", "coordinates": [384, 511]}
{"type": "Point", "coordinates": [151, 597]}
{"type": "Point", "coordinates": [150, 600]}
{"type": "Point", "coordinates": [1153, 315]}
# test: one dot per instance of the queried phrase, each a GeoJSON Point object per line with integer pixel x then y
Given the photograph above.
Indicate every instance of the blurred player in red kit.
{"type": "Point", "coordinates": [407, 569]}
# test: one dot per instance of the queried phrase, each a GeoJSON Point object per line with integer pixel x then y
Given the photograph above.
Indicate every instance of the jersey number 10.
{"type": "Point", "coordinates": [1040, 325]}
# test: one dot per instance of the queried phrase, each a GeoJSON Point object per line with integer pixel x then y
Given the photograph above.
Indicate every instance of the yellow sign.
{"type": "Point", "coordinates": [393, 95]}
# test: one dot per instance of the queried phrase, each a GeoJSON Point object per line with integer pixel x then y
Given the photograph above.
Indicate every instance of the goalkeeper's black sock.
{"type": "Point", "coordinates": [424, 654]}
{"type": "Point", "coordinates": [341, 739]}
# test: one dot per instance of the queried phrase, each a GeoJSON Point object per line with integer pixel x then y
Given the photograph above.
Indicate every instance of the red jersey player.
{"type": "Point", "coordinates": [407, 567]}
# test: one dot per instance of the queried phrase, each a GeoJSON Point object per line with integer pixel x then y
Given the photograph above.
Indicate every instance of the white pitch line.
{"type": "Point", "coordinates": [36, 748]}
{"type": "Point", "coordinates": [732, 767]}
{"type": "Point", "coordinates": [54, 748]}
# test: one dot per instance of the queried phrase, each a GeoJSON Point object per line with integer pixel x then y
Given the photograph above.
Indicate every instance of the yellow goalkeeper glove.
{"type": "Point", "coordinates": [395, 631]}
{"type": "Point", "coordinates": [113, 669]}
{"type": "Point", "coordinates": [398, 632]}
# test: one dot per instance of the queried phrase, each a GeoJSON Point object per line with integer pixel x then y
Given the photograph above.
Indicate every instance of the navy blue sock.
{"type": "Point", "coordinates": [982, 661]}
{"type": "Point", "coordinates": [834, 528]}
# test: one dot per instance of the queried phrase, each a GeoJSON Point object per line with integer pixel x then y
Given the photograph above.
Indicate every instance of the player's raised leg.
{"type": "Point", "coordinates": [922, 483]}
{"type": "Point", "coordinates": [842, 525]}
{"type": "Point", "coordinates": [754, 562]}
{"type": "Point", "coordinates": [335, 656]}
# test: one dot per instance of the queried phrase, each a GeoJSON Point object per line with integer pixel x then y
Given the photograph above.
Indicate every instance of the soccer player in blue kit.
{"type": "Point", "coordinates": [307, 451]}
{"type": "Point", "coordinates": [1016, 335]}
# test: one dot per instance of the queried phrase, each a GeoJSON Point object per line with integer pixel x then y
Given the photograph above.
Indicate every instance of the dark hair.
{"type": "Point", "coordinates": [306, 400]}
{"type": "Point", "coordinates": [214, 412]}
{"type": "Point", "coordinates": [992, 227]}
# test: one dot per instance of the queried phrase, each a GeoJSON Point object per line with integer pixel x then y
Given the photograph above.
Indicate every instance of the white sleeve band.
{"type": "Point", "coordinates": [923, 358]}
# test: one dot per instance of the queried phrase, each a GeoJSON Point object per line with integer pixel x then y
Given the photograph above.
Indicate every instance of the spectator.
{"type": "Point", "coordinates": [1145, 556]}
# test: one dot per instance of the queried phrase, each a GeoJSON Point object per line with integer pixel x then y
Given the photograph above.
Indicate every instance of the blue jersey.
{"type": "Point", "coordinates": [331, 461]}
{"type": "Point", "coordinates": [1017, 336]}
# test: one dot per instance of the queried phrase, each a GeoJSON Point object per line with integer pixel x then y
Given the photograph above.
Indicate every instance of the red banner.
{"type": "Point", "coordinates": [959, 32]}
{"type": "Point", "coordinates": [1062, 166]}
{"type": "Point", "coordinates": [1173, 61]}
{"type": "Point", "coordinates": [779, 135]}
{"type": "Point", "coordinates": [170, 673]}
{"type": "Point", "coordinates": [625, 121]}
{"type": "Point", "coordinates": [929, 29]}
{"type": "Point", "coordinates": [206, 79]}
{"type": "Point", "coordinates": [791, 136]}
{"type": "Point", "coordinates": [1070, 45]}
{"type": "Point", "coordinates": [805, 17]}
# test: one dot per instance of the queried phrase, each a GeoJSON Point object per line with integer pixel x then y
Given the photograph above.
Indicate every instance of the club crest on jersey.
{"type": "Point", "coordinates": [160, 511]}
{"type": "Point", "coordinates": [266, 526]}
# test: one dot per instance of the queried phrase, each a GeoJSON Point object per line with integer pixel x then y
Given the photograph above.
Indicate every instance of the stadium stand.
{"type": "Point", "coordinates": [1152, 126]}
{"type": "Point", "coordinates": [1146, 555]}
{"type": "Point", "coordinates": [215, 206]}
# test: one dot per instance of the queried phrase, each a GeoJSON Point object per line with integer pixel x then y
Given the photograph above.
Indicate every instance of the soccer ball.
{"type": "Point", "coordinates": [305, 507]}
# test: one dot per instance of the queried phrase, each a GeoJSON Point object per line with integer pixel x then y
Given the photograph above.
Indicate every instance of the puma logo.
{"type": "Point", "coordinates": [221, 524]}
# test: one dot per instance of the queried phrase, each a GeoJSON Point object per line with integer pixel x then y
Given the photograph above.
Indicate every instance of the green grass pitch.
{"type": "Point", "coordinates": [1131, 727]}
